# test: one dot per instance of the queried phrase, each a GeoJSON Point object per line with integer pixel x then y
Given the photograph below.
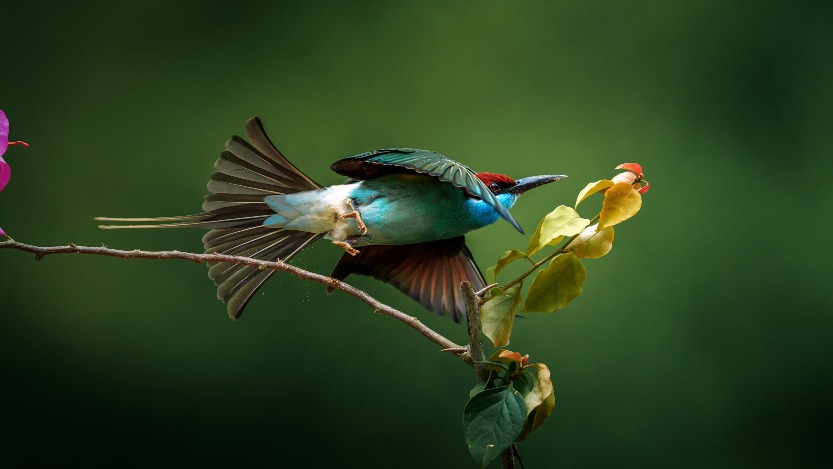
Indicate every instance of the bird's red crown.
{"type": "Point", "coordinates": [501, 180]}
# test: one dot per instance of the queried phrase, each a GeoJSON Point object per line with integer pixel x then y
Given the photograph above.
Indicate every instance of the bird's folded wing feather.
{"type": "Point", "coordinates": [410, 160]}
{"type": "Point", "coordinates": [428, 272]}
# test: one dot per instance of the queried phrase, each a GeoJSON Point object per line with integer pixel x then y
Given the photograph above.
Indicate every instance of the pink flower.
{"type": "Point", "coordinates": [5, 169]}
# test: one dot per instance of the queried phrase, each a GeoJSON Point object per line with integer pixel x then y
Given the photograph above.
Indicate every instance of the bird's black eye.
{"type": "Point", "coordinates": [494, 187]}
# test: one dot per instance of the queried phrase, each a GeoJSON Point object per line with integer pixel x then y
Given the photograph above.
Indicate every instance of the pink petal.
{"type": "Point", "coordinates": [5, 173]}
{"type": "Point", "coordinates": [4, 132]}
{"type": "Point", "coordinates": [645, 189]}
{"type": "Point", "coordinates": [2, 233]}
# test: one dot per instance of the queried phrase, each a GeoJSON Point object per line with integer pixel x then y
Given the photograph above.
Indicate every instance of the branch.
{"type": "Point", "coordinates": [475, 329]}
{"type": "Point", "coordinates": [379, 307]}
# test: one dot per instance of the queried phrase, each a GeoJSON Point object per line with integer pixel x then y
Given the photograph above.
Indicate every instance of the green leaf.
{"type": "Point", "coordinates": [561, 222]}
{"type": "Point", "coordinates": [556, 286]}
{"type": "Point", "coordinates": [621, 202]}
{"type": "Point", "coordinates": [478, 388]}
{"type": "Point", "coordinates": [498, 314]}
{"type": "Point", "coordinates": [525, 384]}
{"type": "Point", "coordinates": [592, 243]}
{"type": "Point", "coordinates": [494, 366]}
{"type": "Point", "coordinates": [592, 188]}
{"type": "Point", "coordinates": [492, 420]}
{"type": "Point", "coordinates": [545, 397]}
{"type": "Point", "coordinates": [507, 258]}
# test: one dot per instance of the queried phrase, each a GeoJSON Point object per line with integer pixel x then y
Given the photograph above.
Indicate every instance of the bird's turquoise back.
{"type": "Point", "coordinates": [397, 209]}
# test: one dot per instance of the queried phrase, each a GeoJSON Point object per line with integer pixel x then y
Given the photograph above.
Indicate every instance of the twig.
{"type": "Point", "coordinates": [486, 289]}
{"type": "Point", "coordinates": [379, 307]}
{"type": "Point", "coordinates": [535, 265]}
{"type": "Point", "coordinates": [518, 456]}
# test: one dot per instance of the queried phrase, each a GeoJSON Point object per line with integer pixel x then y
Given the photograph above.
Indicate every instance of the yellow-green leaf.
{"type": "Point", "coordinates": [561, 222]}
{"type": "Point", "coordinates": [543, 388]}
{"type": "Point", "coordinates": [592, 243]}
{"type": "Point", "coordinates": [543, 408]}
{"type": "Point", "coordinates": [498, 314]}
{"type": "Point", "coordinates": [556, 286]}
{"type": "Point", "coordinates": [508, 258]}
{"type": "Point", "coordinates": [592, 188]}
{"type": "Point", "coordinates": [621, 202]}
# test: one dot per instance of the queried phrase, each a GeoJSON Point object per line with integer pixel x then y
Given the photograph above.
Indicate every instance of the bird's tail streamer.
{"type": "Point", "coordinates": [234, 212]}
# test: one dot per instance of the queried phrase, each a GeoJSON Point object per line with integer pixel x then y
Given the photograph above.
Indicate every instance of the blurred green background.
{"type": "Point", "coordinates": [702, 340]}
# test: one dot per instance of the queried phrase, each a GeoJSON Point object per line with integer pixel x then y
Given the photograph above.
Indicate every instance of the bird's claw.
{"type": "Point", "coordinates": [347, 247]}
{"type": "Point", "coordinates": [355, 214]}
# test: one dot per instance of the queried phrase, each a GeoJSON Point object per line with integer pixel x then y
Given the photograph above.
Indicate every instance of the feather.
{"type": "Point", "coordinates": [428, 272]}
{"type": "Point", "coordinates": [410, 160]}
{"type": "Point", "coordinates": [234, 212]}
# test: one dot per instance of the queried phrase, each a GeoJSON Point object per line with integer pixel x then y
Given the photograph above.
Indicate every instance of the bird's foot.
{"type": "Point", "coordinates": [358, 218]}
{"type": "Point", "coordinates": [355, 214]}
{"type": "Point", "coordinates": [347, 247]}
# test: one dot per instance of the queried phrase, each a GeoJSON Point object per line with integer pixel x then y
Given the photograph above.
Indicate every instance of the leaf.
{"type": "Point", "coordinates": [495, 365]}
{"type": "Point", "coordinates": [627, 176]}
{"type": "Point", "coordinates": [556, 286]}
{"type": "Point", "coordinates": [507, 258]}
{"type": "Point", "coordinates": [592, 244]}
{"type": "Point", "coordinates": [621, 202]}
{"type": "Point", "coordinates": [478, 388]}
{"type": "Point", "coordinates": [561, 222]}
{"type": "Point", "coordinates": [507, 356]}
{"type": "Point", "coordinates": [498, 314]}
{"type": "Point", "coordinates": [537, 415]}
{"type": "Point", "coordinates": [643, 190]}
{"type": "Point", "coordinates": [636, 168]}
{"type": "Point", "coordinates": [525, 384]}
{"type": "Point", "coordinates": [591, 189]}
{"type": "Point", "coordinates": [492, 420]}
{"type": "Point", "coordinates": [543, 388]}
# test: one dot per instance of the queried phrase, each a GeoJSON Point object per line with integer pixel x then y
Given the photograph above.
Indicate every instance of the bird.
{"type": "Point", "coordinates": [401, 217]}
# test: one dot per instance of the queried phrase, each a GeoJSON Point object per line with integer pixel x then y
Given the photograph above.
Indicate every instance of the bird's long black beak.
{"type": "Point", "coordinates": [525, 184]}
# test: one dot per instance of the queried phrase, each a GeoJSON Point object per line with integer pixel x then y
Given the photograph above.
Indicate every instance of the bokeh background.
{"type": "Point", "coordinates": [702, 340]}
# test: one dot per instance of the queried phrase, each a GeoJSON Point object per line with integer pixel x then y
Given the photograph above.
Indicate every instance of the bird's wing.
{"type": "Point", "coordinates": [410, 160]}
{"type": "Point", "coordinates": [428, 272]}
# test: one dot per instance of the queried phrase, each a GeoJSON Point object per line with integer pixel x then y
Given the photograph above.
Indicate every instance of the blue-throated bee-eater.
{"type": "Point", "coordinates": [400, 217]}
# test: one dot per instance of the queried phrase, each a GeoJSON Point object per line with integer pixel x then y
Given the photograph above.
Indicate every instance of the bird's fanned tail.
{"type": "Point", "coordinates": [234, 212]}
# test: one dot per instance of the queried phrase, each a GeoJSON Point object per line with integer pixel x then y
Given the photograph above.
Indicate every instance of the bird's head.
{"type": "Point", "coordinates": [503, 184]}
{"type": "Point", "coordinates": [507, 189]}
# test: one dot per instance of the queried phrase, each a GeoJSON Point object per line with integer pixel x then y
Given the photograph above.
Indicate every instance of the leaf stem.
{"type": "Point", "coordinates": [542, 262]}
